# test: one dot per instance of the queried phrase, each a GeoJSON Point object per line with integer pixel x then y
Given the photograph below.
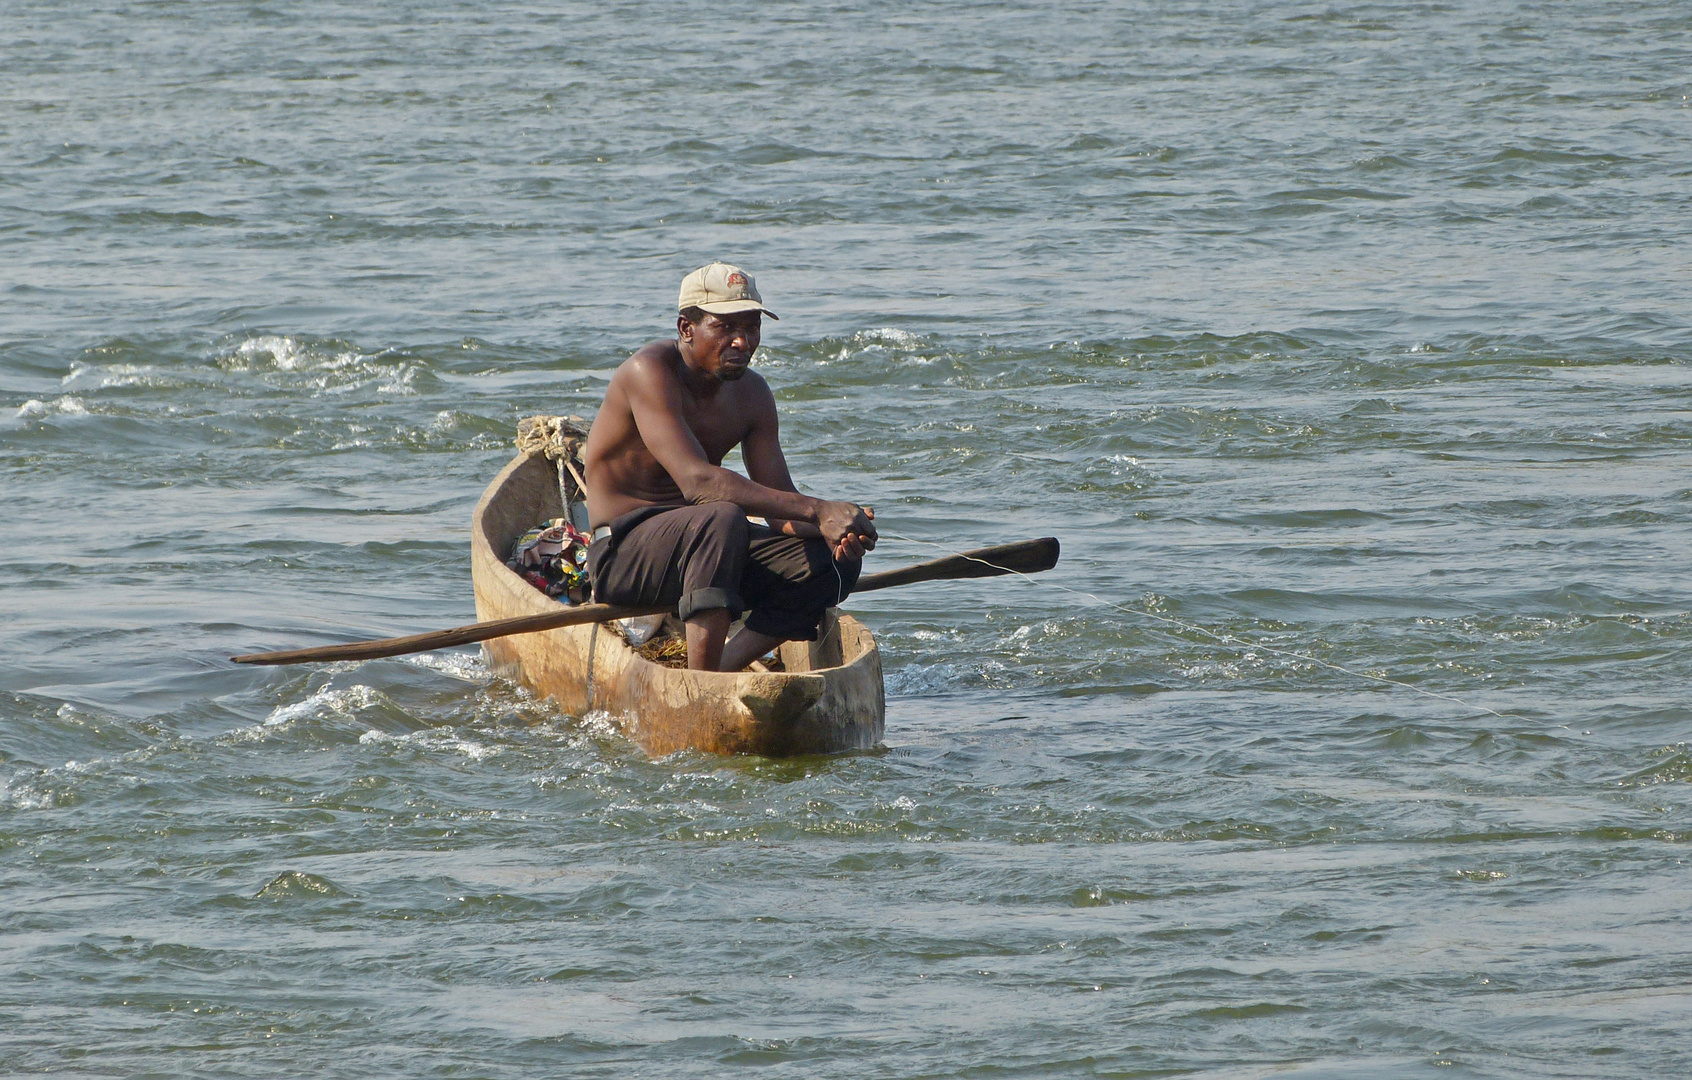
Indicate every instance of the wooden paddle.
{"type": "Point", "coordinates": [1026, 557]}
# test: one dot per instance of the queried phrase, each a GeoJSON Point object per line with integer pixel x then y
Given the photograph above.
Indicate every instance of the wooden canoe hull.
{"type": "Point", "coordinates": [830, 698]}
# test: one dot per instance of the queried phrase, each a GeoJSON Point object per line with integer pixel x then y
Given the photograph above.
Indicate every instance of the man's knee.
{"type": "Point", "coordinates": [720, 523]}
{"type": "Point", "coordinates": [709, 599]}
{"type": "Point", "coordinates": [712, 559]}
{"type": "Point", "coordinates": [849, 571]}
{"type": "Point", "coordinates": [825, 582]}
{"type": "Point", "coordinates": [831, 574]}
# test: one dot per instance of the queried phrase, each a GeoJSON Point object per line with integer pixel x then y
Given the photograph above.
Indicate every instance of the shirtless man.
{"type": "Point", "coordinates": [669, 522]}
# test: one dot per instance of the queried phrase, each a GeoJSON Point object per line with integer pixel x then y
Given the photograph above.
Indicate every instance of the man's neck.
{"type": "Point", "coordinates": [702, 385]}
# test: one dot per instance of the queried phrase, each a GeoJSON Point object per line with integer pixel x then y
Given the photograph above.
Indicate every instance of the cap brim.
{"type": "Point", "coordinates": [735, 307]}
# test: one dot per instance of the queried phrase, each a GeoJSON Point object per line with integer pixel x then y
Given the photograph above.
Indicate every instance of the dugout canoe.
{"type": "Point", "coordinates": [829, 699]}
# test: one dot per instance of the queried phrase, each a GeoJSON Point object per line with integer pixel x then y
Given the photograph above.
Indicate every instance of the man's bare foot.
{"type": "Point", "coordinates": [746, 647]}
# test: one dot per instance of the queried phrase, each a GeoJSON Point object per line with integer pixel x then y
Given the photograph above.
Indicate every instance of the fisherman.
{"type": "Point", "coordinates": [670, 524]}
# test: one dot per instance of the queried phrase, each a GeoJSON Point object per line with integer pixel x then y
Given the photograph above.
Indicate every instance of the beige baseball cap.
{"type": "Point", "coordinates": [721, 289]}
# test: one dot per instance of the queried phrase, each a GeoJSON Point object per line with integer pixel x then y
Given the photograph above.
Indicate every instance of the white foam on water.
{"type": "Point", "coordinates": [284, 352]}
{"type": "Point", "coordinates": [342, 703]}
{"type": "Point", "coordinates": [280, 352]}
{"type": "Point", "coordinates": [438, 739]}
{"type": "Point", "coordinates": [399, 382]}
{"type": "Point", "coordinates": [888, 334]}
{"type": "Point", "coordinates": [116, 376]}
{"type": "Point", "coordinates": [599, 723]}
{"type": "Point", "coordinates": [466, 666]}
{"type": "Point", "coordinates": [884, 340]}
{"type": "Point", "coordinates": [919, 680]}
{"type": "Point", "coordinates": [28, 788]}
{"type": "Point", "coordinates": [22, 794]}
{"type": "Point", "coordinates": [67, 405]}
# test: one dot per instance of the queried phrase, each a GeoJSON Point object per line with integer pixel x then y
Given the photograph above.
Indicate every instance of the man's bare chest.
{"type": "Point", "coordinates": [718, 425]}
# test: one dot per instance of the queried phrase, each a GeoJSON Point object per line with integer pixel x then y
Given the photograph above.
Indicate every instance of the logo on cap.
{"type": "Point", "coordinates": [736, 278]}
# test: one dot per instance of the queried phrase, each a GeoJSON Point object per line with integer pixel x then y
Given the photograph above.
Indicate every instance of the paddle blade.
{"type": "Point", "coordinates": [1024, 557]}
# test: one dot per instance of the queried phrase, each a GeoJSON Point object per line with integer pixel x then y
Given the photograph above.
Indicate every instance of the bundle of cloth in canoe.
{"type": "Point", "coordinates": [553, 557]}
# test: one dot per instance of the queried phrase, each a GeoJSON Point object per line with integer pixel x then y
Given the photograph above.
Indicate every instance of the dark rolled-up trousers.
{"type": "Point", "coordinates": [706, 557]}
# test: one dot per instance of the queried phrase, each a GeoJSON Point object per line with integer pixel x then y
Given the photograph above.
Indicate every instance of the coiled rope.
{"type": "Point", "coordinates": [560, 439]}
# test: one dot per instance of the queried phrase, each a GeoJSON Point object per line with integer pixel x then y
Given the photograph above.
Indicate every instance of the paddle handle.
{"type": "Point", "coordinates": [458, 635]}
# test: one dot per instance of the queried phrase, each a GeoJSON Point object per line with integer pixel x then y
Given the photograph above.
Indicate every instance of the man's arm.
{"type": "Point", "coordinates": [767, 465]}
{"type": "Point", "coordinates": [657, 404]}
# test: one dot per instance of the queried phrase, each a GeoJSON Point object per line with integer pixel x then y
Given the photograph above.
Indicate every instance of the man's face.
{"type": "Point", "coordinates": [723, 344]}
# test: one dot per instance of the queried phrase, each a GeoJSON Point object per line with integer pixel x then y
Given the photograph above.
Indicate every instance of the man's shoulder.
{"type": "Point", "coordinates": [652, 363]}
{"type": "Point", "coordinates": [755, 387]}
{"type": "Point", "coordinates": [660, 355]}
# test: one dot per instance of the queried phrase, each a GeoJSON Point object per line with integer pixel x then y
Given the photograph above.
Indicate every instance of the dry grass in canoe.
{"type": "Point", "coordinates": [671, 652]}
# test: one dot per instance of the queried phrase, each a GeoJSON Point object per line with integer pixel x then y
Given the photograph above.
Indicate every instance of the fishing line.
{"type": "Point", "coordinates": [839, 598]}
{"type": "Point", "coordinates": [1225, 639]}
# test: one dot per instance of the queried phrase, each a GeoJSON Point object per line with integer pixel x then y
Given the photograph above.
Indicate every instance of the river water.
{"type": "Point", "coordinates": [1338, 342]}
